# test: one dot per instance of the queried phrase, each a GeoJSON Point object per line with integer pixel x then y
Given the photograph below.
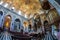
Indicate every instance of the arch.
{"type": "Point", "coordinates": [17, 24]}
{"type": "Point", "coordinates": [47, 27]}
{"type": "Point", "coordinates": [1, 18]}
{"type": "Point", "coordinates": [7, 22]}
{"type": "Point", "coordinates": [25, 24]}
{"type": "Point", "coordinates": [52, 15]}
{"type": "Point", "coordinates": [45, 23]}
{"type": "Point", "coordinates": [54, 30]}
{"type": "Point", "coordinates": [1, 13]}
{"type": "Point", "coordinates": [17, 20]}
{"type": "Point", "coordinates": [37, 22]}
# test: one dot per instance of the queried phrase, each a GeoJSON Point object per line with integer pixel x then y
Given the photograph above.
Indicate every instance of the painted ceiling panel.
{"type": "Point", "coordinates": [28, 7]}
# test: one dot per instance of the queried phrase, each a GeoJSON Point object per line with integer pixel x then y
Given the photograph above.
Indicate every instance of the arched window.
{"type": "Point", "coordinates": [1, 13]}
{"type": "Point", "coordinates": [46, 26]}
{"type": "Point", "coordinates": [45, 23]}
{"type": "Point", "coordinates": [1, 19]}
{"type": "Point", "coordinates": [17, 25]}
{"type": "Point", "coordinates": [54, 30]}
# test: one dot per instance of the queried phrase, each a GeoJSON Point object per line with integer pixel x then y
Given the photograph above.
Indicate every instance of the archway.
{"type": "Point", "coordinates": [25, 24]}
{"type": "Point", "coordinates": [17, 25]}
{"type": "Point", "coordinates": [7, 22]}
{"type": "Point", "coordinates": [47, 26]}
{"type": "Point", "coordinates": [37, 22]}
{"type": "Point", "coordinates": [54, 30]}
{"type": "Point", "coordinates": [45, 23]}
{"type": "Point", "coordinates": [1, 13]}
{"type": "Point", "coordinates": [1, 19]}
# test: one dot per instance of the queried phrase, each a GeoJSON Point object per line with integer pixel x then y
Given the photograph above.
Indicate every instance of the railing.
{"type": "Point", "coordinates": [7, 36]}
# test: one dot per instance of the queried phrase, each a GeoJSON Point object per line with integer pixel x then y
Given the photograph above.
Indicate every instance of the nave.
{"type": "Point", "coordinates": [29, 20]}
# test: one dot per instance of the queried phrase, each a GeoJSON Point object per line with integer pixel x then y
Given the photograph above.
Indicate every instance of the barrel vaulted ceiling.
{"type": "Point", "coordinates": [27, 7]}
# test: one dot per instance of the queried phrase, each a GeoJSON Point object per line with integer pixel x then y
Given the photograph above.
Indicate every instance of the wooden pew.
{"type": "Point", "coordinates": [20, 36]}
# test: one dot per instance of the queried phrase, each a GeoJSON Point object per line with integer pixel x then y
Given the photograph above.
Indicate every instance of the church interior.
{"type": "Point", "coordinates": [29, 20]}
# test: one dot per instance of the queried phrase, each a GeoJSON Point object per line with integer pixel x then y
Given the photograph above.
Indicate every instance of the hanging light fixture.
{"type": "Point", "coordinates": [26, 16]}
{"type": "Point", "coordinates": [6, 5]}
{"type": "Point", "coordinates": [13, 8]}
{"type": "Point", "coordinates": [19, 12]}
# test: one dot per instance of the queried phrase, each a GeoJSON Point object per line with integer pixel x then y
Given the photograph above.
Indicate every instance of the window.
{"type": "Point", "coordinates": [17, 25]}
{"type": "Point", "coordinates": [1, 13]}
